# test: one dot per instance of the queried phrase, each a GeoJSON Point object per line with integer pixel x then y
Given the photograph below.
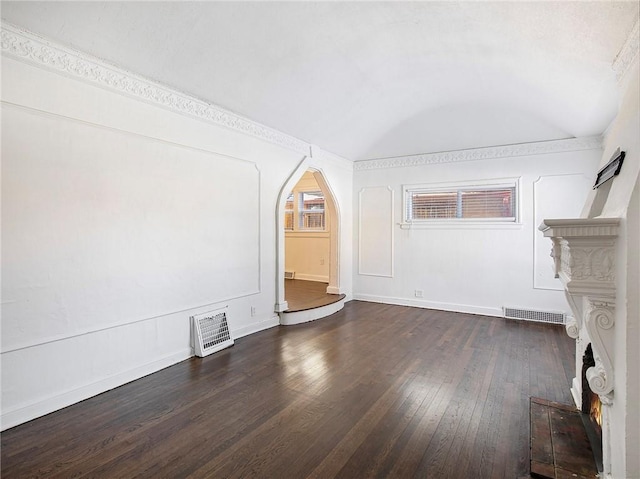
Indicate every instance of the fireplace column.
{"type": "Point", "coordinates": [584, 260]}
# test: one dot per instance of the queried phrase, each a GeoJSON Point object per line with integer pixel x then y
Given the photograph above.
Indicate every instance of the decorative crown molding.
{"type": "Point", "coordinates": [507, 151]}
{"type": "Point", "coordinates": [28, 47]}
{"type": "Point", "coordinates": [628, 53]}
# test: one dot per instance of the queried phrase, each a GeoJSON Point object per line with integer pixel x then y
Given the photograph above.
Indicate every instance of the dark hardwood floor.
{"type": "Point", "coordinates": [302, 295]}
{"type": "Point", "coordinates": [372, 391]}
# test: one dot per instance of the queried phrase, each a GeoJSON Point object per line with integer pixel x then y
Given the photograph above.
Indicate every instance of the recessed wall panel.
{"type": "Point", "coordinates": [103, 227]}
{"type": "Point", "coordinates": [375, 245]}
{"type": "Point", "coordinates": [555, 196]}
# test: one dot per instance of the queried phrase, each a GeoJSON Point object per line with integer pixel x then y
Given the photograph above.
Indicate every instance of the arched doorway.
{"type": "Point", "coordinates": [332, 217]}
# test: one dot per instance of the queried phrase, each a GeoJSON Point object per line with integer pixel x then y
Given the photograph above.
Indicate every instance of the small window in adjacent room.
{"type": "Point", "coordinates": [461, 203]}
{"type": "Point", "coordinates": [288, 213]}
{"type": "Point", "coordinates": [311, 210]}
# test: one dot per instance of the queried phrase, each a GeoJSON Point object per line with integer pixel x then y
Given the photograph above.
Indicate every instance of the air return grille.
{"type": "Point", "coordinates": [212, 332]}
{"type": "Point", "coordinates": [533, 315]}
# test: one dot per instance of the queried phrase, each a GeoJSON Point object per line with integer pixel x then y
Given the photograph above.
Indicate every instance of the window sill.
{"type": "Point", "coordinates": [457, 225]}
{"type": "Point", "coordinates": [306, 234]}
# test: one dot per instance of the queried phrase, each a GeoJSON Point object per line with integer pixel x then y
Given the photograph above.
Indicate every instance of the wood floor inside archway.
{"type": "Point", "coordinates": [302, 295]}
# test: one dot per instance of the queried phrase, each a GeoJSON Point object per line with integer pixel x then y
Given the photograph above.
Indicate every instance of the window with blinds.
{"type": "Point", "coordinates": [461, 203]}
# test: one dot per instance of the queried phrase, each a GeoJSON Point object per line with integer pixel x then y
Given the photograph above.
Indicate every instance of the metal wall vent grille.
{"type": "Point", "coordinates": [533, 315]}
{"type": "Point", "coordinates": [212, 332]}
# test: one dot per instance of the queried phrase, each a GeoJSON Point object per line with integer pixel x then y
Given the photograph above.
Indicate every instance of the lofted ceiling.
{"type": "Point", "coordinates": [368, 79]}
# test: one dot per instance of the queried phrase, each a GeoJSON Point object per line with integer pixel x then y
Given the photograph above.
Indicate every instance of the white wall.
{"type": "Point", "coordinates": [476, 269]}
{"type": "Point", "coordinates": [307, 254]}
{"type": "Point", "coordinates": [119, 224]}
{"type": "Point", "coordinates": [623, 201]}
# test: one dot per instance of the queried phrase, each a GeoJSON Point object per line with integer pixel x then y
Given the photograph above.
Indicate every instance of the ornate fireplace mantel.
{"type": "Point", "coordinates": [584, 260]}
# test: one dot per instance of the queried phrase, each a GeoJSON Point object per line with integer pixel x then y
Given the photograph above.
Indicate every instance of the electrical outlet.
{"type": "Point", "coordinates": [253, 310]}
{"type": "Point", "coordinates": [418, 293]}
{"type": "Point", "coordinates": [322, 262]}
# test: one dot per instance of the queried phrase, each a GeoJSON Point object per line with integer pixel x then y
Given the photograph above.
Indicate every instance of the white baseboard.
{"type": "Point", "coordinates": [312, 277]}
{"type": "Point", "coordinates": [24, 413]}
{"type": "Point", "coordinates": [50, 404]}
{"type": "Point", "coordinates": [271, 322]}
{"type": "Point", "coordinates": [280, 307]}
{"type": "Point", "coordinates": [53, 403]}
{"type": "Point", "coordinates": [453, 307]}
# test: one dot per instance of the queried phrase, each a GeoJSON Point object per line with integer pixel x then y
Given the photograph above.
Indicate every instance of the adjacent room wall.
{"type": "Point", "coordinates": [122, 217]}
{"type": "Point", "coordinates": [307, 252]}
{"type": "Point", "coordinates": [473, 268]}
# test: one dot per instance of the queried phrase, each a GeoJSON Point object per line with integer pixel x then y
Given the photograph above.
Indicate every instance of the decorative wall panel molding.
{"type": "Point", "coordinates": [560, 196]}
{"type": "Point", "coordinates": [523, 149]}
{"type": "Point", "coordinates": [30, 48]}
{"type": "Point", "coordinates": [628, 53]}
{"type": "Point", "coordinates": [153, 234]}
{"type": "Point", "coordinates": [375, 231]}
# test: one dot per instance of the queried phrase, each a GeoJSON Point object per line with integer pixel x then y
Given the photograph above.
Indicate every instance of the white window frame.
{"type": "Point", "coordinates": [297, 213]}
{"type": "Point", "coordinates": [302, 212]}
{"type": "Point", "coordinates": [291, 212]}
{"type": "Point", "coordinates": [489, 223]}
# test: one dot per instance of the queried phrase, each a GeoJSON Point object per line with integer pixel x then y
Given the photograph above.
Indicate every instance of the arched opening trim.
{"type": "Point", "coordinates": [331, 207]}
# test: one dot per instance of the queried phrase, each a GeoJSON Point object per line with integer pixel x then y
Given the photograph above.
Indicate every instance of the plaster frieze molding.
{"type": "Point", "coordinates": [30, 48]}
{"type": "Point", "coordinates": [507, 151]}
{"type": "Point", "coordinates": [628, 53]}
{"type": "Point", "coordinates": [582, 262]}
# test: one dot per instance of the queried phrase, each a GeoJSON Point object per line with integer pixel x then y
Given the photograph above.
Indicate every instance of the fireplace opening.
{"type": "Point", "coordinates": [591, 409]}
{"type": "Point", "coordinates": [595, 411]}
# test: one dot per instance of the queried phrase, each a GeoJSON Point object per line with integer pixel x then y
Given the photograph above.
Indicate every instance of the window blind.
{"type": "Point", "coordinates": [471, 203]}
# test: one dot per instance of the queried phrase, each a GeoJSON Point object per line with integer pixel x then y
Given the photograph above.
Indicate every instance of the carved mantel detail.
{"type": "Point", "coordinates": [584, 259]}
{"type": "Point", "coordinates": [599, 320]}
{"type": "Point", "coordinates": [574, 324]}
